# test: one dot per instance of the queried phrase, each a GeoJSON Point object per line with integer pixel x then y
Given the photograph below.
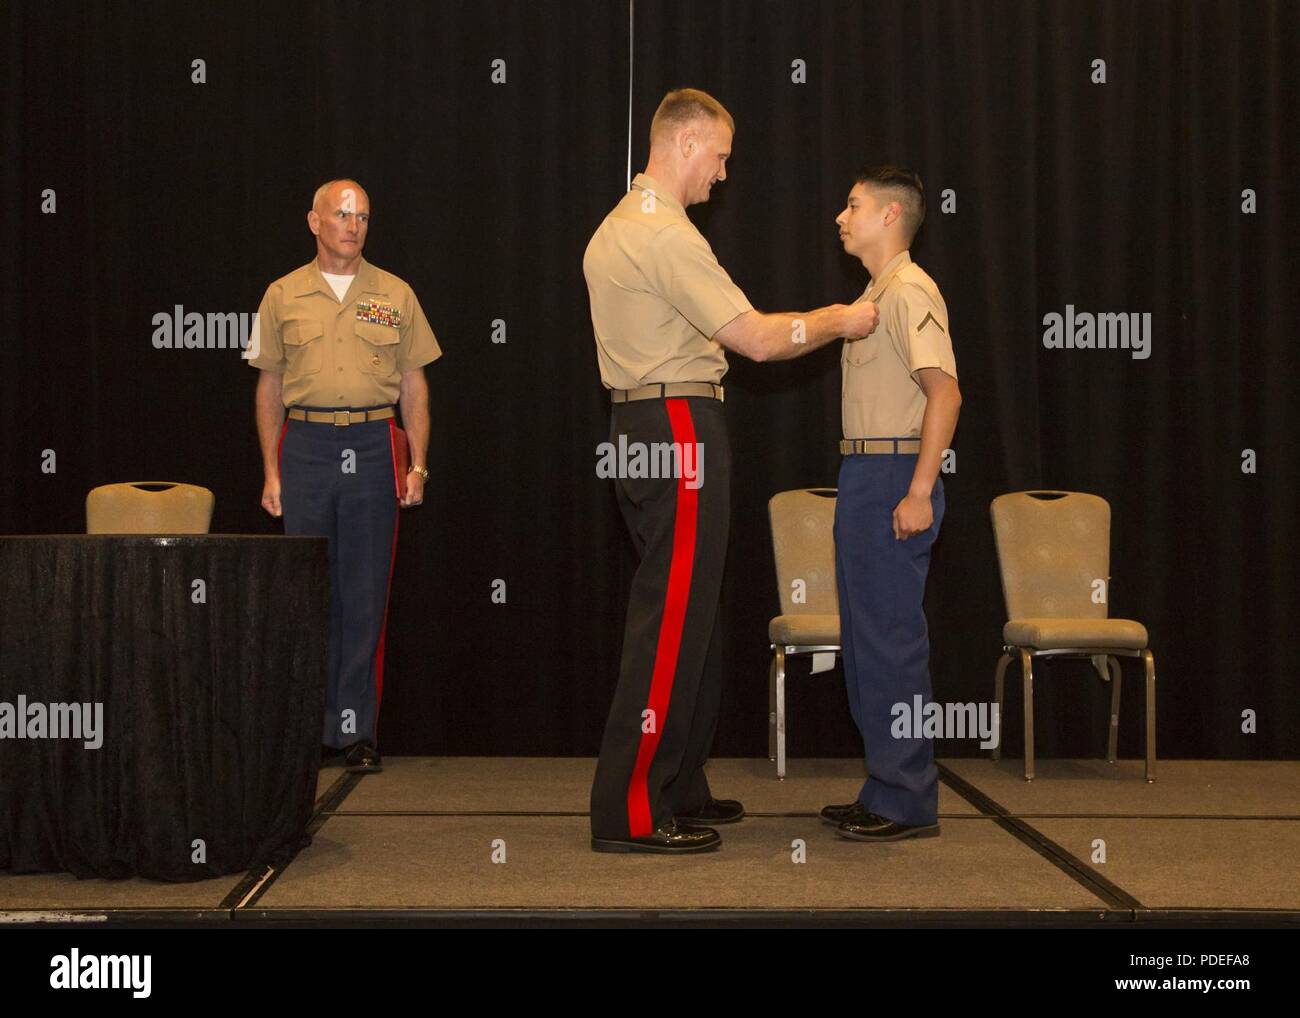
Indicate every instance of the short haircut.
{"type": "Point", "coordinates": [320, 191]}
{"type": "Point", "coordinates": [683, 105]}
{"type": "Point", "coordinates": [893, 183]}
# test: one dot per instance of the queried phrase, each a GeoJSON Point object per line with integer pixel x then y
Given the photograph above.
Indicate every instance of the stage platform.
{"type": "Point", "coordinates": [505, 841]}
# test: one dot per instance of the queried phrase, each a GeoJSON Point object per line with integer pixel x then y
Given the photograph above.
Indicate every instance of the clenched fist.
{"type": "Point", "coordinates": [860, 319]}
{"type": "Point", "coordinates": [271, 496]}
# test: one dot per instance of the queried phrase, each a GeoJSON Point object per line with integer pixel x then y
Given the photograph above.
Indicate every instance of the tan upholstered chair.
{"type": "Point", "coordinates": [1054, 555]}
{"type": "Point", "coordinates": [803, 544]}
{"type": "Point", "coordinates": [149, 507]}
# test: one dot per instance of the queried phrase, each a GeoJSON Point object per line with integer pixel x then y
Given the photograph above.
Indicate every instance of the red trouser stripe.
{"type": "Point", "coordinates": [383, 631]}
{"type": "Point", "coordinates": [670, 627]}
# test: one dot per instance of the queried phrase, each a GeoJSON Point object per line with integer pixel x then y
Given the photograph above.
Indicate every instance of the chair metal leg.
{"type": "Point", "coordinates": [1150, 663]}
{"type": "Point", "coordinates": [1099, 666]}
{"type": "Point", "coordinates": [771, 708]}
{"type": "Point", "coordinates": [1027, 667]}
{"type": "Point", "coordinates": [998, 678]}
{"type": "Point", "coordinates": [1112, 744]}
{"type": "Point", "coordinates": [779, 665]}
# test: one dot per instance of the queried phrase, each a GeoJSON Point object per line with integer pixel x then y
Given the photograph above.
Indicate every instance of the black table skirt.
{"type": "Point", "coordinates": [211, 710]}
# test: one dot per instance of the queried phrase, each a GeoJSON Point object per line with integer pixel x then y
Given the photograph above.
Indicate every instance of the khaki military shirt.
{"type": "Point", "coordinates": [348, 353]}
{"type": "Point", "coordinates": [657, 293]}
{"type": "Point", "coordinates": [882, 395]}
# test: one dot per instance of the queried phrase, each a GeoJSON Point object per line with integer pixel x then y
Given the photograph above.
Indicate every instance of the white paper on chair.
{"type": "Point", "coordinates": [822, 661]}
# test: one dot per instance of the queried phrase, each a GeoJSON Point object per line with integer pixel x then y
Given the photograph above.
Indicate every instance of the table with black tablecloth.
{"type": "Point", "coordinates": [208, 654]}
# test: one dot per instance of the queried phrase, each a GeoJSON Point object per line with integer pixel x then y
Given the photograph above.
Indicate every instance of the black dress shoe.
{"type": "Point", "coordinates": [667, 840]}
{"type": "Point", "coordinates": [329, 754]}
{"type": "Point", "coordinates": [836, 815]}
{"type": "Point", "coordinates": [715, 811]}
{"type": "Point", "coordinates": [362, 758]}
{"type": "Point", "coordinates": [877, 828]}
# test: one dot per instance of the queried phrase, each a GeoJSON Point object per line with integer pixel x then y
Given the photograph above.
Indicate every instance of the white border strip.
{"type": "Point", "coordinates": [631, 27]}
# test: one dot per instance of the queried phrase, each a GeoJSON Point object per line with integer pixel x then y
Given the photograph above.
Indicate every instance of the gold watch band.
{"type": "Point", "coordinates": [422, 471]}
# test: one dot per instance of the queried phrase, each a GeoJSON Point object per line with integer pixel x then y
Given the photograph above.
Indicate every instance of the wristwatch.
{"type": "Point", "coordinates": [422, 471]}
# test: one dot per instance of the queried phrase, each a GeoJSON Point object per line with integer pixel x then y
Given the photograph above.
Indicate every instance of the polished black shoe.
{"type": "Point", "coordinates": [362, 758]}
{"type": "Point", "coordinates": [667, 840]}
{"type": "Point", "coordinates": [836, 815]}
{"type": "Point", "coordinates": [877, 828]}
{"type": "Point", "coordinates": [329, 754]}
{"type": "Point", "coordinates": [715, 811]}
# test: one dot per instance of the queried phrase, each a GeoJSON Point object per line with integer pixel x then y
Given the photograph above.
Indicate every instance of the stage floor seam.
{"type": "Point", "coordinates": [258, 880]}
{"type": "Point", "coordinates": [755, 815]}
{"type": "Point", "coordinates": [1066, 861]}
{"type": "Point", "coordinates": [531, 916]}
{"type": "Point", "coordinates": [572, 813]}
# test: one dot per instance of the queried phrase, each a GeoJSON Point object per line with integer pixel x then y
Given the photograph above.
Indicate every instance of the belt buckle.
{"type": "Point", "coordinates": [345, 421]}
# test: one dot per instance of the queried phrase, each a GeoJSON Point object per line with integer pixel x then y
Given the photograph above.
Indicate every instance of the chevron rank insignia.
{"type": "Point", "coordinates": [380, 312]}
{"type": "Point", "coordinates": [930, 318]}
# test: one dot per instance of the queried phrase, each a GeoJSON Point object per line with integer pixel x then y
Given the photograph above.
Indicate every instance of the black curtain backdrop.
{"type": "Point", "coordinates": [1117, 197]}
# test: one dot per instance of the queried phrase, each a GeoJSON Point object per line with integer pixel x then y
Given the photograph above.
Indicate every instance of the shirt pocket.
{"type": "Point", "coordinates": [377, 349]}
{"type": "Point", "coordinates": [862, 351]}
{"type": "Point", "coordinates": [303, 347]}
{"type": "Point", "coordinates": [859, 364]}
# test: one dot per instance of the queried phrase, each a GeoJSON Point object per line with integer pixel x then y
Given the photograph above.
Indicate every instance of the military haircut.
{"type": "Point", "coordinates": [893, 183]}
{"type": "Point", "coordinates": [321, 191]}
{"type": "Point", "coordinates": [683, 105]}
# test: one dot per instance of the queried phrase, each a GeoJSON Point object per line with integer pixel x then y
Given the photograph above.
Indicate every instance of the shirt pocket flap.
{"type": "Point", "coordinates": [302, 332]}
{"type": "Point", "coordinates": [377, 334]}
{"type": "Point", "coordinates": [862, 351]}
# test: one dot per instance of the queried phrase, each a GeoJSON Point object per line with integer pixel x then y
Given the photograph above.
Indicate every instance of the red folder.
{"type": "Point", "coordinates": [401, 461]}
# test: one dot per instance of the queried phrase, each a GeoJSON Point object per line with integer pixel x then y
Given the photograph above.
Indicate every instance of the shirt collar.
{"type": "Point", "coordinates": [903, 257]}
{"type": "Point", "coordinates": [643, 182]}
{"type": "Point", "coordinates": [314, 282]}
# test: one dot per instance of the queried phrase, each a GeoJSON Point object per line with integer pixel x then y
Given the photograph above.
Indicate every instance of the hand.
{"type": "Point", "coordinates": [414, 490]}
{"type": "Point", "coordinates": [913, 515]}
{"type": "Point", "coordinates": [860, 319]}
{"type": "Point", "coordinates": [271, 496]}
